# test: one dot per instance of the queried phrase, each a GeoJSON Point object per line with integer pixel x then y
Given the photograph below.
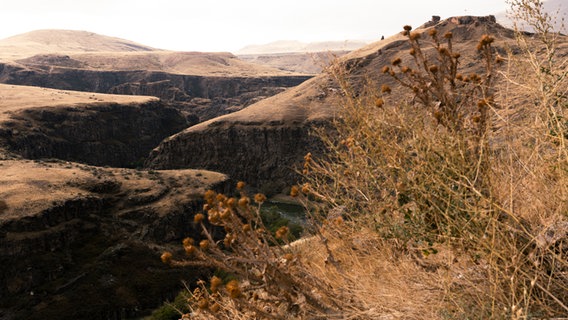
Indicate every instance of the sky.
{"type": "Point", "coordinates": [229, 25]}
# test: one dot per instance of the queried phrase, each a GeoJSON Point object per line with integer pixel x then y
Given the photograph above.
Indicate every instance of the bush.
{"type": "Point", "coordinates": [465, 167]}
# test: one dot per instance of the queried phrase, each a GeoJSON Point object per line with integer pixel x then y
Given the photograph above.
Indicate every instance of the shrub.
{"type": "Point", "coordinates": [171, 311]}
{"type": "Point", "coordinates": [466, 166]}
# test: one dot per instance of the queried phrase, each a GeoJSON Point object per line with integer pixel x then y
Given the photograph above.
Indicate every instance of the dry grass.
{"type": "Point", "coordinates": [488, 179]}
{"type": "Point", "coordinates": [381, 283]}
{"type": "Point", "coordinates": [345, 271]}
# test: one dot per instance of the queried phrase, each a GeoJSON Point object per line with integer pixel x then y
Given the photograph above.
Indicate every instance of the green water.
{"type": "Point", "coordinates": [278, 214]}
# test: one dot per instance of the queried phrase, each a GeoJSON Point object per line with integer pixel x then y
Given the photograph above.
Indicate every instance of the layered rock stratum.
{"type": "Point", "coordinates": [97, 129]}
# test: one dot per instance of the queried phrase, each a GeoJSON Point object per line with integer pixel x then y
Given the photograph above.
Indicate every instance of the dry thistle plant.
{"type": "Point", "coordinates": [271, 281]}
{"type": "Point", "coordinates": [455, 169]}
{"type": "Point", "coordinates": [383, 156]}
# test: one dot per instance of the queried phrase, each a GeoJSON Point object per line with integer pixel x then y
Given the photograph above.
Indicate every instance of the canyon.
{"type": "Point", "coordinates": [83, 242]}
{"type": "Point", "coordinates": [98, 178]}
{"type": "Point", "coordinates": [82, 222]}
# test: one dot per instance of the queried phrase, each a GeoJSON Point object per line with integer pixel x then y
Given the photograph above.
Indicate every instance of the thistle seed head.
{"type": "Point", "coordinates": [188, 242]}
{"type": "Point", "coordinates": [198, 218]}
{"type": "Point", "coordinates": [231, 202]}
{"type": "Point", "coordinates": [166, 257]}
{"type": "Point", "coordinates": [294, 191]}
{"type": "Point", "coordinates": [204, 244]}
{"type": "Point", "coordinates": [379, 102]}
{"type": "Point", "coordinates": [189, 249]}
{"type": "Point", "coordinates": [244, 202]}
{"type": "Point", "coordinates": [210, 196]}
{"type": "Point", "coordinates": [203, 303]}
{"type": "Point", "coordinates": [282, 232]}
{"type": "Point", "coordinates": [233, 289]}
{"type": "Point", "coordinates": [415, 35]}
{"type": "Point", "coordinates": [215, 282]}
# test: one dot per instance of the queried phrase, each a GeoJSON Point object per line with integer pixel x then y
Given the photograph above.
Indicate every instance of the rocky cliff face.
{"type": "Point", "coordinates": [139, 82]}
{"type": "Point", "coordinates": [81, 242]}
{"type": "Point", "coordinates": [118, 135]}
{"type": "Point", "coordinates": [266, 155]}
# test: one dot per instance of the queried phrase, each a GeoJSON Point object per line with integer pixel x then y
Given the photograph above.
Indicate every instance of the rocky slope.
{"type": "Point", "coordinates": [98, 133]}
{"type": "Point", "coordinates": [81, 242]}
{"type": "Point", "coordinates": [261, 143]}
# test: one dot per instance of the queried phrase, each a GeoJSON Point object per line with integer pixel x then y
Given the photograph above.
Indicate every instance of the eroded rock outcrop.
{"type": "Point", "coordinates": [266, 156]}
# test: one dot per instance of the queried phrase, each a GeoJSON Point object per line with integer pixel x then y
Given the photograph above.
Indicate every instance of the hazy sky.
{"type": "Point", "coordinates": [228, 25]}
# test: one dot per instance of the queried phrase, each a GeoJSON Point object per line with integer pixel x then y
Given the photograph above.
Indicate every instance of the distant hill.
{"type": "Point", "coordinates": [90, 51]}
{"type": "Point", "coordinates": [65, 41]}
{"type": "Point", "coordinates": [203, 84]}
{"type": "Point", "coordinates": [296, 62]}
{"type": "Point", "coordinates": [297, 46]}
